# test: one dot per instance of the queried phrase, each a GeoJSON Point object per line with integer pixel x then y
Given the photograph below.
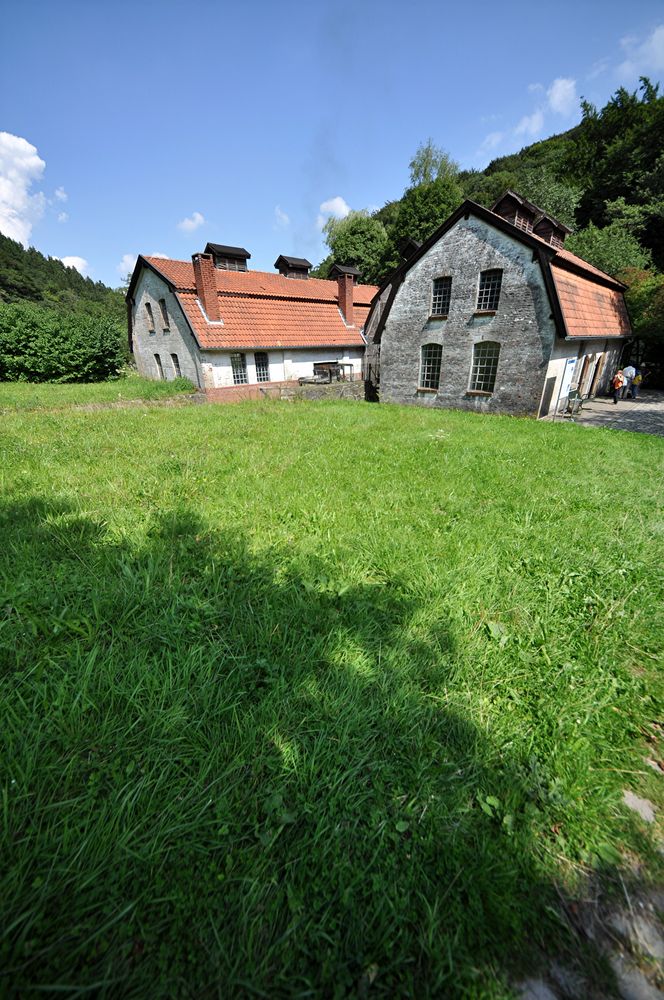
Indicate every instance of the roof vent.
{"type": "Point", "coordinates": [292, 267]}
{"type": "Point", "coordinates": [228, 258]}
{"type": "Point", "coordinates": [337, 270]}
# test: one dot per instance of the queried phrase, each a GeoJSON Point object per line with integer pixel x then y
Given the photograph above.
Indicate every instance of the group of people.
{"type": "Point", "coordinates": [626, 380]}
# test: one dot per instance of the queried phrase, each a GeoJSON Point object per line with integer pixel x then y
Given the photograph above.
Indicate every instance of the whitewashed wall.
{"type": "Point", "coordinates": [285, 366]}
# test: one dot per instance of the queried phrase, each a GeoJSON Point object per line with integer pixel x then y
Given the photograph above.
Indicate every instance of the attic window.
{"type": "Point", "coordinates": [556, 240]}
{"type": "Point", "coordinates": [230, 264]}
{"type": "Point", "coordinates": [523, 222]}
{"type": "Point", "coordinates": [164, 313]}
{"type": "Point", "coordinates": [489, 291]}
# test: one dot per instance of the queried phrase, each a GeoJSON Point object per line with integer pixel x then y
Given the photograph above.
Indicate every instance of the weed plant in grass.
{"type": "Point", "coordinates": [33, 396]}
{"type": "Point", "coordinates": [316, 700]}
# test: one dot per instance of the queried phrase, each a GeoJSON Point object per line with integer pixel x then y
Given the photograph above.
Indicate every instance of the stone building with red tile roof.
{"type": "Point", "coordinates": [221, 325]}
{"type": "Point", "coordinates": [492, 314]}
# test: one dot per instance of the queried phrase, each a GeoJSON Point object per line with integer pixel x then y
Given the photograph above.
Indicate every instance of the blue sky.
{"type": "Point", "coordinates": [153, 127]}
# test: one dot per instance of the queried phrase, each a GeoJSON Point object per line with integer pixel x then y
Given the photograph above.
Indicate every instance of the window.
{"type": "Point", "coordinates": [148, 309]}
{"type": "Point", "coordinates": [489, 292]}
{"type": "Point", "coordinates": [230, 264]}
{"type": "Point", "coordinates": [160, 370]}
{"type": "Point", "coordinates": [239, 366]}
{"type": "Point", "coordinates": [432, 355]}
{"type": "Point", "coordinates": [262, 366]}
{"type": "Point", "coordinates": [440, 301]}
{"type": "Point", "coordinates": [485, 366]}
{"type": "Point", "coordinates": [176, 365]}
{"type": "Point", "coordinates": [164, 314]}
{"type": "Point", "coordinates": [523, 222]}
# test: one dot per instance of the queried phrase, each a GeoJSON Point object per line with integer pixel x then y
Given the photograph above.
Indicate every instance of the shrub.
{"type": "Point", "coordinates": [38, 344]}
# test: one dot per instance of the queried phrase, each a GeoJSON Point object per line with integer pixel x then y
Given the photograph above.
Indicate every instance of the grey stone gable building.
{"type": "Point", "coordinates": [492, 314]}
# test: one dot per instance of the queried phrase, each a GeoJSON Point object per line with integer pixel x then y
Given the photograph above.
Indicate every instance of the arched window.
{"type": "Point", "coordinates": [485, 366]}
{"type": "Point", "coordinates": [432, 355]}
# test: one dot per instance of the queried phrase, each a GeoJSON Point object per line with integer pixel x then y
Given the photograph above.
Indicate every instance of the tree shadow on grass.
{"type": "Point", "coordinates": [235, 774]}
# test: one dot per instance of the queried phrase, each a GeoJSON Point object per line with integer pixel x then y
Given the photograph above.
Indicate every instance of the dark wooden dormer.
{"type": "Point", "coordinates": [531, 219]}
{"type": "Point", "coordinates": [340, 269]}
{"type": "Point", "coordinates": [292, 267]}
{"type": "Point", "coordinates": [228, 258]}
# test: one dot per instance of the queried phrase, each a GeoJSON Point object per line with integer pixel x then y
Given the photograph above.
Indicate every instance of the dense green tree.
{"type": "Point", "coordinates": [617, 154]}
{"type": "Point", "coordinates": [423, 208]}
{"type": "Point", "coordinates": [645, 301]}
{"type": "Point", "coordinates": [430, 163]}
{"type": "Point", "coordinates": [40, 344]}
{"type": "Point", "coordinates": [612, 249]}
{"type": "Point", "coordinates": [359, 240]}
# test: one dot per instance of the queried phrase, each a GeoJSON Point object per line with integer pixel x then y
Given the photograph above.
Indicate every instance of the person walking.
{"type": "Point", "coordinates": [636, 384]}
{"type": "Point", "coordinates": [617, 384]}
{"type": "Point", "coordinates": [628, 374]}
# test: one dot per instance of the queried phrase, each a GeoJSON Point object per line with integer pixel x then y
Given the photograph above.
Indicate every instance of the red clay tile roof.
{"type": "Point", "coordinates": [590, 309]}
{"type": "Point", "coordinates": [259, 309]}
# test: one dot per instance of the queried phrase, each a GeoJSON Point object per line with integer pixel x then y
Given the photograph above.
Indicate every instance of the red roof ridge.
{"type": "Point", "coordinates": [263, 284]}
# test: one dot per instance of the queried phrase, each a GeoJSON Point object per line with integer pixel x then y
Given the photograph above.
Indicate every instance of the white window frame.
{"type": "Point", "coordinates": [482, 378]}
{"type": "Point", "coordinates": [429, 371]}
{"type": "Point", "coordinates": [239, 368]}
{"type": "Point", "coordinates": [445, 294]}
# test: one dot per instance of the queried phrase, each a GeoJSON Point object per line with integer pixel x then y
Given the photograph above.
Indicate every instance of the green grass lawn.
{"type": "Point", "coordinates": [46, 395]}
{"type": "Point", "coordinates": [318, 700]}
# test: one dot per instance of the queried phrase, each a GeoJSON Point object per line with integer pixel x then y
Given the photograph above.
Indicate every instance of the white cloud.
{"type": "Point", "coordinates": [20, 167]}
{"type": "Point", "coordinates": [535, 87]}
{"type": "Point", "coordinates": [598, 67]}
{"type": "Point", "coordinates": [562, 96]}
{"type": "Point", "coordinates": [492, 140]}
{"type": "Point", "coordinates": [164, 256]}
{"type": "Point", "coordinates": [127, 264]}
{"type": "Point", "coordinates": [530, 125]}
{"type": "Point", "coordinates": [193, 222]}
{"type": "Point", "coordinates": [80, 263]}
{"type": "Point", "coordinates": [61, 194]}
{"type": "Point", "coordinates": [643, 58]}
{"type": "Point", "coordinates": [336, 207]}
{"type": "Point", "coordinates": [282, 219]}
{"type": "Point", "coordinates": [62, 217]}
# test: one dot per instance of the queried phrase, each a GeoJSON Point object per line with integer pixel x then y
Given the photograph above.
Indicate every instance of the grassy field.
{"type": "Point", "coordinates": [31, 396]}
{"type": "Point", "coordinates": [318, 700]}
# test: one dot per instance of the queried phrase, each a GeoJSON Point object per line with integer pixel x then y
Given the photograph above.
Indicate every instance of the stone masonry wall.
{"type": "Point", "coordinates": [287, 391]}
{"type": "Point", "coordinates": [522, 325]}
{"type": "Point", "coordinates": [175, 338]}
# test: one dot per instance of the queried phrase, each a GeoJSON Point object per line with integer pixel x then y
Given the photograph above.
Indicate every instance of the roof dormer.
{"type": "Point", "coordinates": [228, 258]}
{"type": "Point", "coordinates": [292, 267]}
{"type": "Point", "coordinates": [528, 217]}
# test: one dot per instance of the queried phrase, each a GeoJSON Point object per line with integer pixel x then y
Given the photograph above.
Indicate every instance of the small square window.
{"type": "Point", "coordinates": [432, 356]}
{"type": "Point", "coordinates": [485, 366]}
{"type": "Point", "coordinates": [489, 290]}
{"type": "Point", "coordinates": [440, 299]}
{"type": "Point", "coordinates": [239, 366]}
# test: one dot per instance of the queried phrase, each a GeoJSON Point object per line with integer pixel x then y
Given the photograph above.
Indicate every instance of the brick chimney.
{"type": "Point", "coordinates": [345, 283]}
{"type": "Point", "coordinates": [206, 286]}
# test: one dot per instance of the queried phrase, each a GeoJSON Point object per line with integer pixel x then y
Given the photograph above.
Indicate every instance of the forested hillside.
{"type": "Point", "coordinates": [604, 179]}
{"type": "Point", "coordinates": [29, 275]}
{"type": "Point", "coordinates": [56, 325]}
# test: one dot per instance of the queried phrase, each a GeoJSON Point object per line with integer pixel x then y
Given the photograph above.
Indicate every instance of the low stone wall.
{"type": "Point", "coordinates": [287, 391]}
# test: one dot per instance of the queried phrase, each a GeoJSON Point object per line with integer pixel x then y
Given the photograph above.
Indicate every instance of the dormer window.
{"type": "Point", "coordinates": [227, 258]}
{"type": "Point", "coordinates": [524, 222]}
